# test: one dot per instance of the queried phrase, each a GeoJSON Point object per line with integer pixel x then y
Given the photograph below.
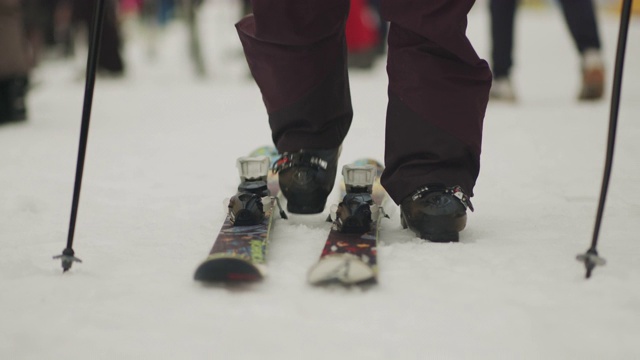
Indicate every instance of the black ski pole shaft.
{"type": "Point", "coordinates": [68, 255]}
{"type": "Point", "coordinates": [591, 258]}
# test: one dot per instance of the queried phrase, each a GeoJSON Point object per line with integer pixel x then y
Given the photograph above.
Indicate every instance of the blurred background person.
{"type": "Point", "coordinates": [246, 7]}
{"type": "Point", "coordinates": [110, 60]}
{"type": "Point", "coordinates": [363, 35]}
{"type": "Point", "coordinates": [581, 21]}
{"type": "Point", "coordinates": [14, 65]}
{"type": "Point", "coordinates": [47, 25]}
{"type": "Point", "coordinates": [383, 26]}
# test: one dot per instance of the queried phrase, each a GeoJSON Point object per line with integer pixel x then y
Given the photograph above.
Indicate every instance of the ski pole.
{"type": "Point", "coordinates": [591, 258]}
{"type": "Point", "coordinates": [68, 255]}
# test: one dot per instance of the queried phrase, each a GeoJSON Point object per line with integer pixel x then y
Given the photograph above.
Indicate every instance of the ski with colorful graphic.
{"type": "Point", "coordinates": [350, 252]}
{"type": "Point", "coordinates": [239, 251]}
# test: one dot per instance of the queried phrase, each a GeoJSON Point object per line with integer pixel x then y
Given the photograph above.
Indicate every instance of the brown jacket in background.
{"type": "Point", "coordinates": [13, 59]}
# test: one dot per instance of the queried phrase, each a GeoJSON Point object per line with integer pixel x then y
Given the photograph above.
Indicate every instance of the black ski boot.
{"type": "Point", "coordinates": [436, 213]}
{"type": "Point", "coordinates": [306, 179]}
{"type": "Point", "coordinates": [12, 99]}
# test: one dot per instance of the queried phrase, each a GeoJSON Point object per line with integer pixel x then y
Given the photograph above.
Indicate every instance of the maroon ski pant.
{"type": "Point", "coordinates": [438, 86]}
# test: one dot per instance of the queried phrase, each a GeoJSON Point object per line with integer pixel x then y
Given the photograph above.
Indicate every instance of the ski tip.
{"type": "Point", "coordinates": [346, 269]}
{"type": "Point", "coordinates": [227, 270]}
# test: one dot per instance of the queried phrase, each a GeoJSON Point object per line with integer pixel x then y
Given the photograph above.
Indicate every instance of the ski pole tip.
{"type": "Point", "coordinates": [67, 259]}
{"type": "Point", "coordinates": [588, 274]}
{"type": "Point", "coordinates": [590, 260]}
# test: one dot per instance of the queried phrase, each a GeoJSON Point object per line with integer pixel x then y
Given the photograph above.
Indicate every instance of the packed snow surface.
{"type": "Point", "coordinates": [161, 160]}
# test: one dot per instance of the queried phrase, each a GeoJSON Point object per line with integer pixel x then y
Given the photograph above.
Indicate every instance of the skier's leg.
{"type": "Point", "coordinates": [581, 20]}
{"type": "Point", "coordinates": [297, 55]}
{"type": "Point", "coordinates": [438, 93]}
{"type": "Point", "coordinates": [503, 13]}
{"type": "Point", "coordinates": [296, 51]}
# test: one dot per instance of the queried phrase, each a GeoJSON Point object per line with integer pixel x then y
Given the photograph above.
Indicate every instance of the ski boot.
{"type": "Point", "coordinates": [592, 76]}
{"type": "Point", "coordinates": [306, 178]}
{"type": "Point", "coordinates": [436, 213]}
{"type": "Point", "coordinates": [502, 90]}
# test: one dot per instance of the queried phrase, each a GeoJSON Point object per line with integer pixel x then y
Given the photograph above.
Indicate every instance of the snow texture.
{"type": "Point", "coordinates": [161, 160]}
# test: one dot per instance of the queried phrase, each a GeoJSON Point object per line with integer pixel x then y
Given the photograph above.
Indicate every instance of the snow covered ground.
{"type": "Point", "coordinates": [161, 159]}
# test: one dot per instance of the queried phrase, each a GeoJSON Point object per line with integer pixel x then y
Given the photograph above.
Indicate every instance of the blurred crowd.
{"type": "Point", "coordinates": [580, 17]}
{"type": "Point", "coordinates": [33, 30]}
{"type": "Point", "coordinates": [30, 30]}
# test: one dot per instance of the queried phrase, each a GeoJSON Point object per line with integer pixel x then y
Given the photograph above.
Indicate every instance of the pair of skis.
{"type": "Point", "coordinates": [349, 255]}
